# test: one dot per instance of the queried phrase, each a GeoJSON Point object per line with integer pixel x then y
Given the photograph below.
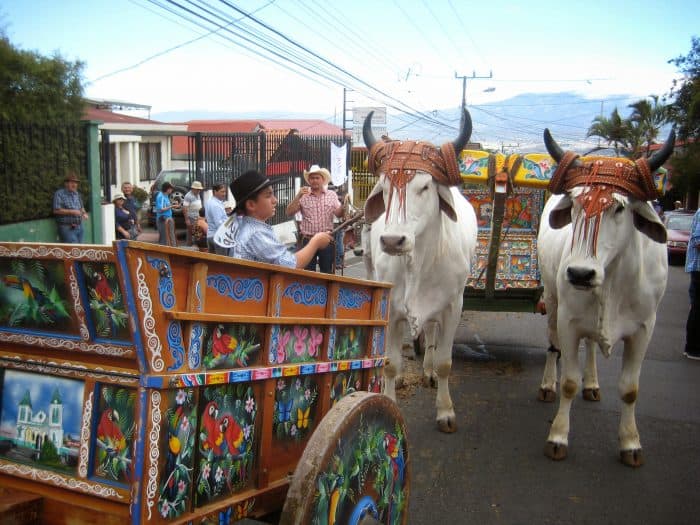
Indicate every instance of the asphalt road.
{"type": "Point", "coordinates": [493, 469]}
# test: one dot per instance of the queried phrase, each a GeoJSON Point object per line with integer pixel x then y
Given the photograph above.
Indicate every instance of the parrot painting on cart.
{"type": "Point", "coordinates": [212, 436]}
{"type": "Point", "coordinates": [222, 343]}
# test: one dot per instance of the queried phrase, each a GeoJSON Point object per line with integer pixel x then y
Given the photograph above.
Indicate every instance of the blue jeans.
{"type": "Point", "coordinates": [324, 257]}
{"type": "Point", "coordinates": [692, 326]}
{"type": "Point", "coordinates": [71, 233]}
{"type": "Point", "coordinates": [339, 248]}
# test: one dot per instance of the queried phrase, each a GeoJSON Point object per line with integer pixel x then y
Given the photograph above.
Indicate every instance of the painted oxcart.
{"type": "Point", "coordinates": [149, 384]}
{"type": "Point", "coordinates": [508, 194]}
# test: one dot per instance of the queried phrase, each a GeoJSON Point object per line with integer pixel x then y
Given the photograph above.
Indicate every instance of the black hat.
{"type": "Point", "coordinates": [246, 186]}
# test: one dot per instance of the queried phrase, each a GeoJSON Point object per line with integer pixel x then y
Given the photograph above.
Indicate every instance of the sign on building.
{"type": "Point", "coordinates": [358, 119]}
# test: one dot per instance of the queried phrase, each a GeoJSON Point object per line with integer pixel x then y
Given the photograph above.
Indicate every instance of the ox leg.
{"type": "Point", "coordinates": [591, 388]}
{"type": "Point", "coordinates": [392, 364]}
{"type": "Point", "coordinates": [442, 365]}
{"type": "Point", "coordinates": [548, 386]}
{"type": "Point", "coordinates": [558, 441]}
{"type": "Point", "coordinates": [430, 340]}
{"type": "Point", "coordinates": [628, 386]}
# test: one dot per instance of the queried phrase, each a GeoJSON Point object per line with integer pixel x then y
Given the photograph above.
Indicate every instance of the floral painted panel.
{"type": "Point", "coordinates": [366, 476]}
{"type": "Point", "coordinates": [107, 309]}
{"type": "Point", "coordinates": [345, 383]}
{"type": "Point", "coordinates": [350, 343]}
{"type": "Point", "coordinates": [33, 294]}
{"type": "Point", "coordinates": [40, 420]}
{"type": "Point", "coordinates": [226, 441]}
{"type": "Point", "coordinates": [231, 345]}
{"type": "Point", "coordinates": [114, 436]}
{"type": "Point", "coordinates": [179, 434]}
{"type": "Point", "coordinates": [295, 408]}
{"type": "Point", "coordinates": [295, 344]}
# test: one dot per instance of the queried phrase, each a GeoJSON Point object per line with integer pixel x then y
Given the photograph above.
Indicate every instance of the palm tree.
{"type": "Point", "coordinates": [646, 119]}
{"type": "Point", "coordinates": [613, 130]}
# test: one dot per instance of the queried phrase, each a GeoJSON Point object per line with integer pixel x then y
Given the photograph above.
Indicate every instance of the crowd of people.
{"type": "Point", "coordinates": [237, 229]}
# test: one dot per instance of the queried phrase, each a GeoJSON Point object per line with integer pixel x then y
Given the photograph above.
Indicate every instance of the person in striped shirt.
{"type": "Point", "coordinates": [318, 206]}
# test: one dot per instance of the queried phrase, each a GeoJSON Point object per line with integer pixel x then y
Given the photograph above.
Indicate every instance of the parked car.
{"type": "Point", "coordinates": [678, 227]}
{"type": "Point", "coordinates": [181, 179]}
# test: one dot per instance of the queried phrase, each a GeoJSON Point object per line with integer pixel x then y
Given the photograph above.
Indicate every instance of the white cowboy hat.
{"type": "Point", "coordinates": [317, 169]}
{"type": "Point", "coordinates": [196, 185]}
{"type": "Point", "coordinates": [117, 196]}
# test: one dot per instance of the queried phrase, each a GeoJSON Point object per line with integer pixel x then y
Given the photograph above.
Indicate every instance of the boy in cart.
{"type": "Point", "coordinates": [247, 235]}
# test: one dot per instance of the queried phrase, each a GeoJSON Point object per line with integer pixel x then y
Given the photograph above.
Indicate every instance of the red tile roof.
{"type": "Point", "coordinates": [303, 127]}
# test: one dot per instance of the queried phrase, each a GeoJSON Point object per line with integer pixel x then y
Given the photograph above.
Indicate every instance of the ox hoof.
{"type": "Point", "coordinates": [429, 382]}
{"type": "Point", "coordinates": [447, 425]}
{"type": "Point", "coordinates": [547, 395]}
{"type": "Point", "coordinates": [632, 458]}
{"type": "Point", "coordinates": [591, 394]}
{"type": "Point", "coordinates": [555, 451]}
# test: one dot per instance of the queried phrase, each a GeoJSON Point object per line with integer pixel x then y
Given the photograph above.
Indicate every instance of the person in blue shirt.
{"type": "Point", "coordinates": [164, 211]}
{"type": "Point", "coordinates": [69, 210]}
{"type": "Point", "coordinates": [247, 235]}
{"type": "Point", "coordinates": [692, 266]}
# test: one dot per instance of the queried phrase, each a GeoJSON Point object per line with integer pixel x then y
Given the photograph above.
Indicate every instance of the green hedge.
{"type": "Point", "coordinates": [34, 159]}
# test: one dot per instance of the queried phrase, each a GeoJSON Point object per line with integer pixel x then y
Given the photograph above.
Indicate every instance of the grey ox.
{"type": "Point", "coordinates": [604, 266]}
{"type": "Point", "coordinates": [421, 238]}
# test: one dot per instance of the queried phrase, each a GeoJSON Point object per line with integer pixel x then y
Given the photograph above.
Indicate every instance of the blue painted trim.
{"type": "Point", "coordinates": [139, 455]}
{"type": "Point", "coordinates": [130, 298]}
{"type": "Point", "coordinates": [39, 333]}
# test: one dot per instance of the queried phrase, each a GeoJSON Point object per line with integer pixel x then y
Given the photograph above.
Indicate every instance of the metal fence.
{"type": "Point", "coordinates": [33, 162]}
{"type": "Point", "coordinates": [362, 180]}
{"type": "Point", "coordinates": [223, 157]}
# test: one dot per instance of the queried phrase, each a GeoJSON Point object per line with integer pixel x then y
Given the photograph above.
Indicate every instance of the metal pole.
{"type": "Point", "coordinates": [464, 91]}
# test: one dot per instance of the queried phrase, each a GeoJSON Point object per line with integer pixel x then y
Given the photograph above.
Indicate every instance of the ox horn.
{"type": "Point", "coordinates": [465, 133]}
{"type": "Point", "coordinates": [552, 147]}
{"type": "Point", "coordinates": [661, 156]}
{"type": "Point", "coordinates": [367, 131]}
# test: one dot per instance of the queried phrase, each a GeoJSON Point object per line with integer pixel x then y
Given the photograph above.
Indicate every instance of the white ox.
{"type": "Point", "coordinates": [603, 261]}
{"type": "Point", "coordinates": [422, 241]}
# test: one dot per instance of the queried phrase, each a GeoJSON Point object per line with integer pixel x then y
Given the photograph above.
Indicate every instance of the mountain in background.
{"type": "Point", "coordinates": [512, 125]}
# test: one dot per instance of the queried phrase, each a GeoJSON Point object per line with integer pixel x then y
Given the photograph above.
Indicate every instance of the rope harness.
{"type": "Point", "coordinates": [400, 160]}
{"type": "Point", "coordinates": [600, 177]}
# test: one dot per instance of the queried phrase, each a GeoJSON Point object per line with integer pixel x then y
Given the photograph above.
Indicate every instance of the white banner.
{"type": "Point", "coordinates": [338, 164]}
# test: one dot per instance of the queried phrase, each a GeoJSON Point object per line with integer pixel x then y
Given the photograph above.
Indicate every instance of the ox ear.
{"type": "Point", "coordinates": [446, 202]}
{"type": "Point", "coordinates": [560, 215]}
{"type": "Point", "coordinates": [374, 205]}
{"type": "Point", "coordinates": [647, 221]}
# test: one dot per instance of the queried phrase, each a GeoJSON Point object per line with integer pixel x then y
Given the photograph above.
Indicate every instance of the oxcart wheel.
{"type": "Point", "coordinates": [355, 468]}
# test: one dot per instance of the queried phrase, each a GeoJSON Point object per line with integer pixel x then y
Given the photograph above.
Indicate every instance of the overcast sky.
{"type": "Point", "coordinates": [400, 54]}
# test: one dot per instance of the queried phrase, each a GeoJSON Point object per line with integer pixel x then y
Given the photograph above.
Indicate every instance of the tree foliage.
{"type": "Point", "coordinates": [685, 113]}
{"type": "Point", "coordinates": [35, 88]}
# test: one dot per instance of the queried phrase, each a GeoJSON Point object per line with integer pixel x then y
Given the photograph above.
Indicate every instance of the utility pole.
{"type": "Point", "coordinates": [464, 90]}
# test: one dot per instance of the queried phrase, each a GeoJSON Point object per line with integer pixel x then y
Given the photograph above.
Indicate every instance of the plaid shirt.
{"type": "Point", "coordinates": [256, 241]}
{"type": "Point", "coordinates": [692, 257]}
{"type": "Point", "coordinates": [317, 212]}
{"type": "Point", "coordinates": [67, 200]}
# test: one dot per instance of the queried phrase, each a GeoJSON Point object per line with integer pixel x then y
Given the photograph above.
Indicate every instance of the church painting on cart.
{"type": "Point", "coordinates": [40, 420]}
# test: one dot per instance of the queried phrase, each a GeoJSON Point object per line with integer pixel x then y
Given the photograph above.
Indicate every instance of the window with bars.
{"type": "Point", "coordinates": [149, 160]}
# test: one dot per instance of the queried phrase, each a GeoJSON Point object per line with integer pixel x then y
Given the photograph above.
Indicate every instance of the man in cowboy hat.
{"type": "Point", "coordinates": [247, 235]}
{"type": "Point", "coordinates": [69, 210]}
{"type": "Point", "coordinates": [190, 208]}
{"type": "Point", "coordinates": [318, 206]}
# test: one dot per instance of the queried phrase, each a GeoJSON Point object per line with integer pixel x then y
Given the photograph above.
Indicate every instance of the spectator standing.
{"type": "Point", "coordinates": [130, 204]}
{"type": "Point", "coordinates": [191, 205]}
{"type": "Point", "coordinates": [215, 214]}
{"type": "Point", "coordinates": [247, 235]}
{"type": "Point", "coordinates": [692, 266]}
{"type": "Point", "coordinates": [164, 211]}
{"type": "Point", "coordinates": [123, 221]}
{"type": "Point", "coordinates": [318, 206]}
{"type": "Point", "coordinates": [69, 210]}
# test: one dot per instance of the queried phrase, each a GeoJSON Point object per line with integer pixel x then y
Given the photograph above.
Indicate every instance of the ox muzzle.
{"type": "Point", "coordinates": [396, 243]}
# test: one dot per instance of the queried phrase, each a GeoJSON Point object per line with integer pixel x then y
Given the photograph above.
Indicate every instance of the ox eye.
{"type": "Point", "coordinates": [424, 189]}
